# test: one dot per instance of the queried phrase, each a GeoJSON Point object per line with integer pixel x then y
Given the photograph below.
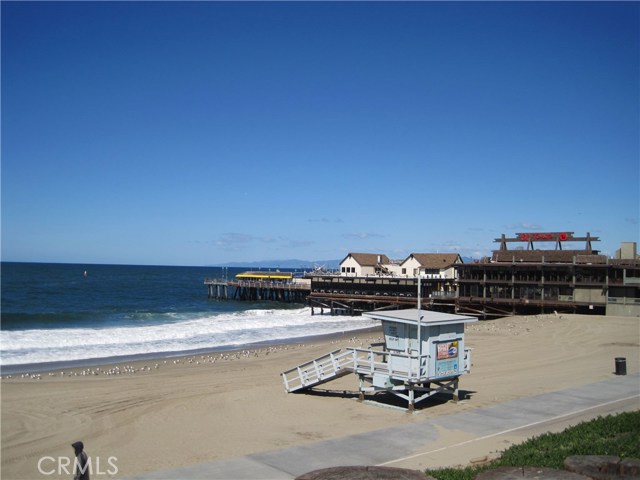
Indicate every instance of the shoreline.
{"type": "Point", "coordinates": [7, 371]}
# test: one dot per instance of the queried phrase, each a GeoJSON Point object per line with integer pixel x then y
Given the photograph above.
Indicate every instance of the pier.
{"type": "Point", "coordinates": [355, 295]}
{"type": "Point", "coordinates": [288, 292]}
{"type": "Point", "coordinates": [218, 288]}
{"type": "Point", "coordinates": [510, 282]}
{"type": "Point", "coordinates": [258, 290]}
{"type": "Point", "coordinates": [323, 297]}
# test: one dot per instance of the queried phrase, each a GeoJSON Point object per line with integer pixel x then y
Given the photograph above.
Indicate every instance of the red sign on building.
{"type": "Point", "coordinates": [549, 237]}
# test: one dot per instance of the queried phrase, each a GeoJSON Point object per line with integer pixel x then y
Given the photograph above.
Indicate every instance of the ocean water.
{"type": "Point", "coordinates": [58, 313]}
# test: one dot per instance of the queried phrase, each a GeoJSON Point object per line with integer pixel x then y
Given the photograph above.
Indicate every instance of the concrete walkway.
{"type": "Point", "coordinates": [424, 444]}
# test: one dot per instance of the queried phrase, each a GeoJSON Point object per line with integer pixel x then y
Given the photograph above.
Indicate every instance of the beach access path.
{"type": "Point", "coordinates": [429, 443]}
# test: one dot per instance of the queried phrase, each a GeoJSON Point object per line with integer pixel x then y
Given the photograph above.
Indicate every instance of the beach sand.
{"type": "Point", "coordinates": [166, 413]}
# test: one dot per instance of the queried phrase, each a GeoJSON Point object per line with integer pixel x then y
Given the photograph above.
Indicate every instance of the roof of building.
{"type": "Point", "coordinates": [436, 260]}
{"type": "Point", "coordinates": [551, 256]}
{"type": "Point", "coordinates": [368, 259]}
{"type": "Point", "coordinates": [427, 317]}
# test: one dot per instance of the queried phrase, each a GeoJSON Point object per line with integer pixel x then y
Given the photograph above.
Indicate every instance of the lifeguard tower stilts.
{"type": "Point", "coordinates": [423, 353]}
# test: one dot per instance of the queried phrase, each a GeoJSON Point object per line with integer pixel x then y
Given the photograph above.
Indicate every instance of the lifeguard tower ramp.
{"type": "Point", "coordinates": [333, 365]}
{"type": "Point", "coordinates": [411, 369]}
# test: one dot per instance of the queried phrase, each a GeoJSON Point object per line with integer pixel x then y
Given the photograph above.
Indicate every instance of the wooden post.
{"type": "Point", "coordinates": [456, 397]}
{"type": "Point", "coordinates": [412, 403]}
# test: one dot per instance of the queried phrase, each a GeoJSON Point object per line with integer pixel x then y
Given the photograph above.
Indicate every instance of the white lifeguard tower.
{"type": "Point", "coordinates": [423, 353]}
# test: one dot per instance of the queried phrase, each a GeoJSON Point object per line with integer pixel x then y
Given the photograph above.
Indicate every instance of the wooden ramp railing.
{"type": "Point", "coordinates": [328, 367]}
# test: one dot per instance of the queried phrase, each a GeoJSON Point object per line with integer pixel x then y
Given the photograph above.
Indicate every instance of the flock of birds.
{"type": "Point", "coordinates": [204, 359]}
{"type": "Point", "coordinates": [514, 327]}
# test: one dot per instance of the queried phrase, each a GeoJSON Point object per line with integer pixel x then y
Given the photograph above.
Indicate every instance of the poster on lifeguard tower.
{"type": "Point", "coordinates": [447, 359]}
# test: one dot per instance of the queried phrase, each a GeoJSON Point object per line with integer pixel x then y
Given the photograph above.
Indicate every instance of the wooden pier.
{"type": "Point", "coordinates": [218, 288]}
{"type": "Point", "coordinates": [354, 295]}
{"type": "Point", "coordinates": [330, 301]}
{"type": "Point", "coordinates": [288, 292]}
{"type": "Point", "coordinates": [252, 290]}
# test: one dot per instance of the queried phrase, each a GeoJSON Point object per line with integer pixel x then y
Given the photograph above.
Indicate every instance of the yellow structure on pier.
{"type": "Point", "coordinates": [266, 275]}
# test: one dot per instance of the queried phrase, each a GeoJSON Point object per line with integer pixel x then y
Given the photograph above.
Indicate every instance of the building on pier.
{"type": "Point", "coordinates": [533, 280]}
{"type": "Point", "coordinates": [512, 281]}
{"type": "Point", "coordinates": [364, 264]}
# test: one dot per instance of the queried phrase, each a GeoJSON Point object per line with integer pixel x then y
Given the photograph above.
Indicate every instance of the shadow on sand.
{"type": "Point", "coordinates": [388, 399]}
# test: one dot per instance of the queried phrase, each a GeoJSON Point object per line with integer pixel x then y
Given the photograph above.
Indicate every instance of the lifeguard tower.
{"type": "Point", "coordinates": [423, 353]}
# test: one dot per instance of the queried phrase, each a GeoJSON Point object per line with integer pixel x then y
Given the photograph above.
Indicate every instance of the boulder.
{"type": "Point", "coordinates": [531, 473]}
{"type": "Point", "coordinates": [364, 473]}
{"type": "Point", "coordinates": [603, 467]}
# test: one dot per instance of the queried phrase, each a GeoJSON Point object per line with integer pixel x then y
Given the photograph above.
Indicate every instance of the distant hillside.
{"type": "Point", "coordinates": [289, 264]}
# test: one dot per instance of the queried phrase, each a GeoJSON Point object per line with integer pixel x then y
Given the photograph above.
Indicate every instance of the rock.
{"type": "Point", "coordinates": [364, 473]}
{"type": "Point", "coordinates": [533, 473]}
{"type": "Point", "coordinates": [603, 467]}
{"type": "Point", "coordinates": [629, 467]}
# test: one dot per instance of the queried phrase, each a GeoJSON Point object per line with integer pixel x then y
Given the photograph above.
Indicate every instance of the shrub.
{"type": "Point", "coordinates": [617, 435]}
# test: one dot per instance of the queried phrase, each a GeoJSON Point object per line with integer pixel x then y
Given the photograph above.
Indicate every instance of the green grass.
{"type": "Point", "coordinates": [617, 435]}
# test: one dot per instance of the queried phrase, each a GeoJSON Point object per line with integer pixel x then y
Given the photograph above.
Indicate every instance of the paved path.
{"type": "Point", "coordinates": [424, 444]}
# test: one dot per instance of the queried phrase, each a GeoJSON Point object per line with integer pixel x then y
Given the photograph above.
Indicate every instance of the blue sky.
{"type": "Point", "coordinates": [185, 133]}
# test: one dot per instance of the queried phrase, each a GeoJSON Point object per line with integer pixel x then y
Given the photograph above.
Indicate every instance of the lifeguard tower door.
{"type": "Point", "coordinates": [414, 343]}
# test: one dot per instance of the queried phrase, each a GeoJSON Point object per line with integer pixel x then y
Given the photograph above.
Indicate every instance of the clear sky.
{"type": "Point", "coordinates": [182, 133]}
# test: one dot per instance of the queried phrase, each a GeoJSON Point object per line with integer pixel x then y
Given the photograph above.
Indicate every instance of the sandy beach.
{"type": "Point", "coordinates": [162, 414]}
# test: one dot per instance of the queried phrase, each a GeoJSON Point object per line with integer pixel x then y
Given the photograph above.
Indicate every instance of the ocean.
{"type": "Point", "coordinates": [72, 313]}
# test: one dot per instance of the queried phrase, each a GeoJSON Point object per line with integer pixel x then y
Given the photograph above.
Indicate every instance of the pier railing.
{"type": "Point", "coordinates": [400, 366]}
{"type": "Point", "coordinates": [256, 283]}
{"type": "Point", "coordinates": [269, 284]}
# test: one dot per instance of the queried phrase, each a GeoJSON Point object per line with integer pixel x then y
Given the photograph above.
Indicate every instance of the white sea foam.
{"type": "Point", "coordinates": [183, 332]}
